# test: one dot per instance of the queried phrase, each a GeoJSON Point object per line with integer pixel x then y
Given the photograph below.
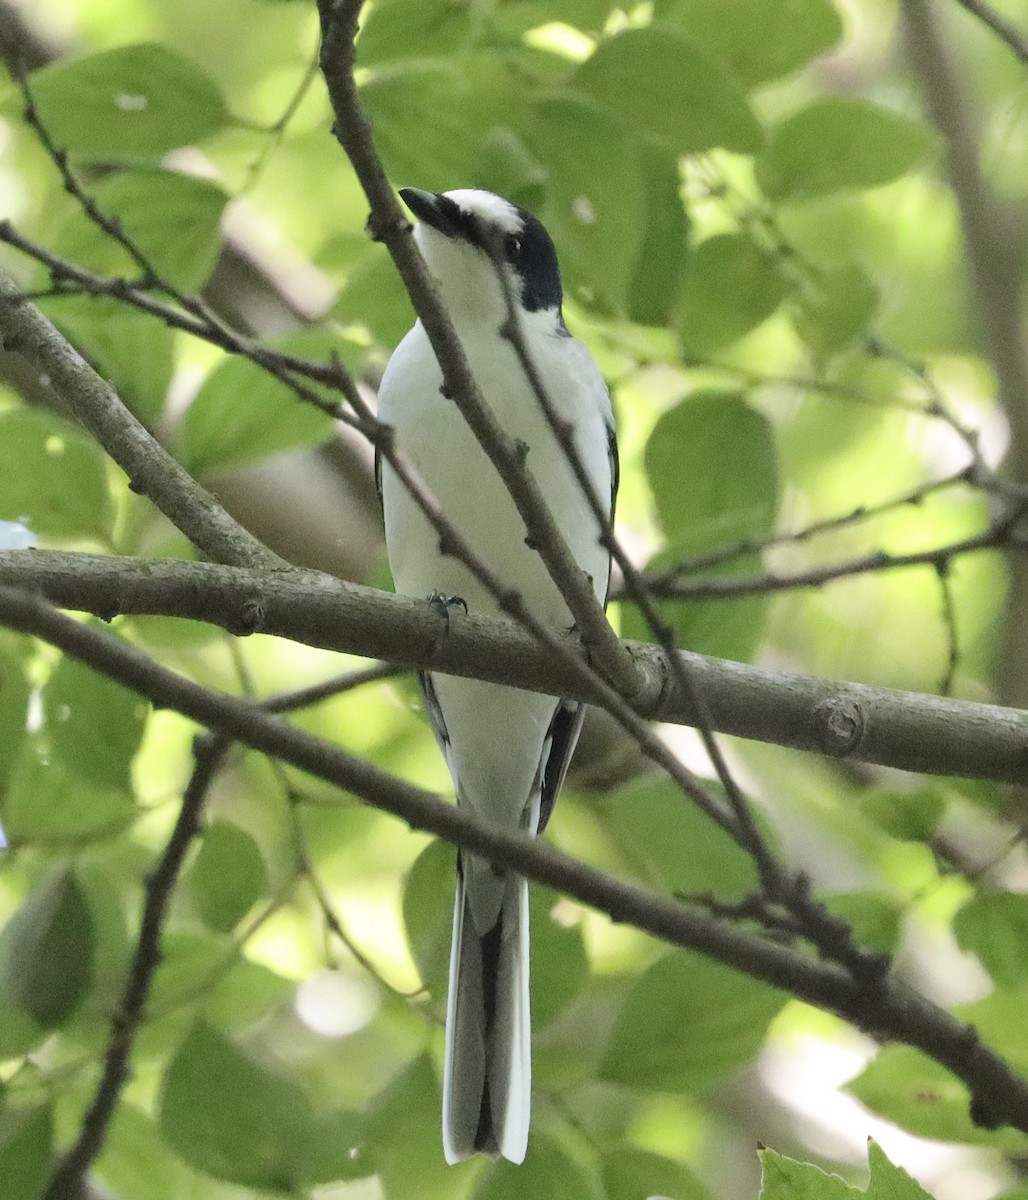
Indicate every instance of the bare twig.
{"type": "Point", "coordinates": [1005, 30]}
{"type": "Point", "coordinates": [888, 1009]}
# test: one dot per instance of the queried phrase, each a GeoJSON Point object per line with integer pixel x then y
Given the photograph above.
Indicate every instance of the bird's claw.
{"type": "Point", "coordinates": [442, 602]}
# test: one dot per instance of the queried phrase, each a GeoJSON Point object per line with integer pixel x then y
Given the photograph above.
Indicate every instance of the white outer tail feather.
{"type": "Point", "coordinates": [504, 1066]}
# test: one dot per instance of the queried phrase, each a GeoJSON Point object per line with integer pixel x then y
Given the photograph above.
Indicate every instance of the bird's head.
{"type": "Point", "coordinates": [463, 233]}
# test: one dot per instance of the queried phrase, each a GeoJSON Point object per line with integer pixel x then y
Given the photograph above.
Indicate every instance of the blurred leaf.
{"type": "Point", "coordinates": [549, 1170]}
{"type": "Point", "coordinates": [174, 219]}
{"type": "Point", "coordinates": [999, 1021]}
{"type": "Point", "coordinates": [924, 1098]}
{"type": "Point", "coordinates": [14, 704]}
{"type": "Point", "coordinates": [246, 992]}
{"type": "Point", "coordinates": [560, 967]}
{"type": "Point", "coordinates": [726, 453]}
{"type": "Point", "coordinates": [45, 802]}
{"type": "Point", "coordinates": [834, 309]}
{"type": "Point", "coordinates": [689, 1023]}
{"type": "Point", "coordinates": [399, 29]}
{"type": "Point", "coordinates": [52, 477]}
{"type": "Point", "coordinates": [93, 725]}
{"type": "Point", "coordinates": [672, 845]}
{"type": "Point", "coordinates": [597, 198]}
{"type": "Point", "coordinates": [757, 40]}
{"type": "Point", "coordinates": [631, 1174]}
{"type": "Point", "coordinates": [711, 464]}
{"type": "Point", "coordinates": [657, 277]}
{"type": "Point", "coordinates": [870, 145]}
{"type": "Point", "coordinates": [669, 90]}
{"type": "Point", "coordinates": [731, 286]}
{"type": "Point", "coordinates": [241, 1120]}
{"type": "Point", "coordinates": [784, 1178]}
{"type": "Point", "coordinates": [227, 877]}
{"type": "Point", "coordinates": [46, 951]}
{"type": "Point", "coordinates": [403, 1135]}
{"type": "Point", "coordinates": [910, 816]}
{"type": "Point", "coordinates": [373, 296]}
{"type": "Point", "coordinates": [130, 349]}
{"type": "Point", "coordinates": [994, 925]}
{"type": "Point", "coordinates": [26, 1144]}
{"type": "Point", "coordinates": [874, 917]}
{"type": "Point", "coordinates": [133, 101]}
{"type": "Point", "coordinates": [428, 913]}
{"type": "Point", "coordinates": [457, 103]}
{"type": "Point", "coordinates": [137, 1162]}
{"type": "Point", "coordinates": [242, 414]}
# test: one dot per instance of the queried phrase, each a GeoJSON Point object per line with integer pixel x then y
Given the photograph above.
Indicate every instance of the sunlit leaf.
{"type": "Point", "coordinates": [227, 877]}
{"type": "Point", "coordinates": [835, 308]}
{"type": "Point", "coordinates": [47, 802]}
{"type": "Point", "coordinates": [994, 925]}
{"type": "Point", "coordinates": [52, 476]}
{"type": "Point", "coordinates": [399, 29]}
{"type": "Point", "coordinates": [133, 101]}
{"type": "Point", "coordinates": [784, 1178]}
{"type": "Point", "coordinates": [669, 90]}
{"type": "Point", "coordinates": [731, 286]}
{"type": "Point", "coordinates": [757, 40]}
{"type": "Point", "coordinates": [869, 145]}
{"type": "Point", "coordinates": [631, 1174]}
{"type": "Point", "coordinates": [688, 1024]}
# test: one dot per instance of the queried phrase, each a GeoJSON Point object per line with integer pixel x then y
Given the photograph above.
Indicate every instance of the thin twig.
{"type": "Point", "coordinates": [1005, 30]}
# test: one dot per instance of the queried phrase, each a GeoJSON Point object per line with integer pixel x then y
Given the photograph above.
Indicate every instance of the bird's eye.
{"type": "Point", "coordinates": [513, 246]}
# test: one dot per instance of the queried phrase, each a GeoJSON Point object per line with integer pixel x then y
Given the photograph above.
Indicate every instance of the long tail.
{"type": "Point", "coordinates": [487, 1083]}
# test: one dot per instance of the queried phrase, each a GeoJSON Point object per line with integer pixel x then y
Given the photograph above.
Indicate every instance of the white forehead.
{"type": "Point", "coordinates": [489, 207]}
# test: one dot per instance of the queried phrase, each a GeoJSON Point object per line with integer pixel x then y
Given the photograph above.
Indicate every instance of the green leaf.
{"type": "Point", "coordinates": [428, 913]}
{"type": "Point", "coordinates": [731, 286]}
{"type": "Point", "coordinates": [133, 101]}
{"type": "Point", "coordinates": [924, 1098]}
{"type": "Point", "coordinates": [174, 219]}
{"type": "Point", "coordinates": [244, 1121]}
{"type": "Point", "coordinates": [994, 925]}
{"type": "Point", "coordinates": [712, 468]}
{"type": "Point", "coordinates": [402, 29]}
{"type": "Point", "coordinates": [227, 877]}
{"type": "Point", "coordinates": [26, 1146]}
{"type": "Point", "coordinates": [726, 452]}
{"type": "Point", "coordinates": [757, 40]}
{"type": "Point", "coordinates": [784, 1178]}
{"type": "Point", "coordinates": [242, 414]}
{"type": "Point", "coordinates": [46, 951]}
{"type": "Point", "coordinates": [669, 90]}
{"type": "Point", "coordinates": [548, 1170]}
{"type": "Point", "coordinates": [45, 802]}
{"type": "Point", "coordinates": [869, 145]}
{"type": "Point", "coordinates": [999, 1021]}
{"type": "Point", "coordinates": [403, 1135]}
{"type": "Point", "coordinates": [560, 966]}
{"type": "Point", "coordinates": [94, 726]}
{"type": "Point", "coordinates": [834, 308]}
{"type": "Point", "coordinates": [874, 917]}
{"type": "Point", "coordinates": [595, 211]}
{"type": "Point", "coordinates": [52, 477]}
{"type": "Point", "coordinates": [431, 119]}
{"type": "Point", "coordinates": [130, 349]}
{"type": "Point", "coordinates": [889, 1182]}
{"type": "Point", "coordinates": [137, 1162]}
{"type": "Point", "coordinates": [672, 845]}
{"type": "Point", "coordinates": [14, 704]}
{"type": "Point", "coordinates": [657, 275]}
{"type": "Point", "coordinates": [909, 816]}
{"type": "Point", "coordinates": [631, 1174]}
{"type": "Point", "coordinates": [688, 1023]}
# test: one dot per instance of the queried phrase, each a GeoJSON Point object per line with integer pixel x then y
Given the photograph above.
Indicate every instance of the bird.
{"type": "Point", "coordinates": [507, 749]}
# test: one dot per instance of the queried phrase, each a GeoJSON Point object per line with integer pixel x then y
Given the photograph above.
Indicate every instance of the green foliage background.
{"type": "Point", "coordinates": [758, 247]}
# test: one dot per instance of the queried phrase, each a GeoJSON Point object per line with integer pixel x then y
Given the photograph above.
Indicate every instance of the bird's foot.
{"type": "Point", "coordinates": [442, 602]}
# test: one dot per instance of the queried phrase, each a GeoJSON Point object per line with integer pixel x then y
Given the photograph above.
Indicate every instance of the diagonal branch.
{"type": "Point", "coordinates": [352, 128]}
{"type": "Point", "coordinates": [150, 468]}
{"type": "Point", "coordinates": [879, 1005]}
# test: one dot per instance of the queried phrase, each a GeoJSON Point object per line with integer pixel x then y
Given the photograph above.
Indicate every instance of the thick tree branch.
{"type": "Point", "coordinates": [877, 725]}
{"type": "Point", "coordinates": [877, 1004]}
{"type": "Point", "coordinates": [151, 470]}
{"type": "Point", "coordinates": [390, 225]}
